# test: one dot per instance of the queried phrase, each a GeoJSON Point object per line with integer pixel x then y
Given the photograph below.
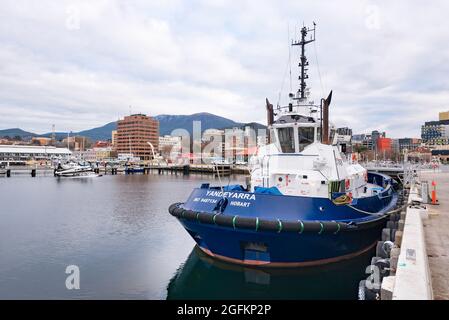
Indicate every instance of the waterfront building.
{"type": "Point", "coordinates": [210, 152]}
{"type": "Point", "coordinates": [41, 141]}
{"type": "Point", "coordinates": [88, 155]}
{"type": "Point", "coordinates": [442, 154]}
{"type": "Point", "coordinates": [395, 145]}
{"type": "Point", "coordinates": [443, 116]}
{"type": "Point", "coordinates": [434, 133]}
{"type": "Point", "coordinates": [170, 146]}
{"type": "Point", "coordinates": [127, 157]}
{"type": "Point", "coordinates": [362, 140]}
{"type": "Point", "coordinates": [133, 134]}
{"type": "Point", "coordinates": [375, 135]}
{"type": "Point", "coordinates": [168, 141]}
{"type": "Point", "coordinates": [103, 153]}
{"type": "Point", "coordinates": [234, 145]}
{"type": "Point", "coordinates": [102, 144]}
{"type": "Point", "coordinates": [75, 143]}
{"type": "Point", "coordinates": [96, 154]}
{"type": "Point", "coordinates": [114, 138]}
{"type": "Point", "coordinates": [384, 144]}
{"type": "Point", "coordinates": [410, 144]}
{"type": "Point", "coordinates": [27, 152]}
{"type": "Point", "coordinates": [345, 131]}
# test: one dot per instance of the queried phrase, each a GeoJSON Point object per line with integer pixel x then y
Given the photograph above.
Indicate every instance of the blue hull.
{"type": "Point", "coordinates": [281, 249]}
{"type": "Point", "coordinates": [287, 244]}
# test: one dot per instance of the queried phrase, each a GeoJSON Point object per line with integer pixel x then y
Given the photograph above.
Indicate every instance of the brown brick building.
{"type": "Point", "coordinates": [133, 133]}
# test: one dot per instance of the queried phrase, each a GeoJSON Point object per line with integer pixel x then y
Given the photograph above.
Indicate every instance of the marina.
{"type": "Point", "coordinates": [127, 245]}
{"type": "Point", "coordinates": [223, 156]}
{"type": "Point", "coordinates": [110, 238]}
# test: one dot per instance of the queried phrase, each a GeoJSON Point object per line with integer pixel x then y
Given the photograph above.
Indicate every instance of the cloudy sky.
{"type": "Point", "coordinates": [81, 64]}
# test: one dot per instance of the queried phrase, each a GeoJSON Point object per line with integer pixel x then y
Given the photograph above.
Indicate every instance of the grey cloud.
{"type": "Point", "coordinates": [222, 57]}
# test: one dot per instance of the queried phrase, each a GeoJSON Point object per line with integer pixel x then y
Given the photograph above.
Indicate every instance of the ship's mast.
{"type": "Point", "coordinates": [301, 94]}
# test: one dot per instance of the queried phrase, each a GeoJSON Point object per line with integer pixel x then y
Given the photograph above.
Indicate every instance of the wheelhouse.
{"type": "Point", "coordinates": [292, 133]}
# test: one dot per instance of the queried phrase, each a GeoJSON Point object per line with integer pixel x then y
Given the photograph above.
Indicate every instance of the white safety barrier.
{"type": "Point", "coordinates": [412, 280]}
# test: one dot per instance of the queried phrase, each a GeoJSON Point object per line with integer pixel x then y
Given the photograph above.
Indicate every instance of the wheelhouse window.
{"type": "Point", "coordinates": [305, 137]}
{"type": "Point", "coordinates": [286, 140]}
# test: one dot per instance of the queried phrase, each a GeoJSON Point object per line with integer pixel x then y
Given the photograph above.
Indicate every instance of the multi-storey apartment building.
{"type": "Point", "coordinates": [135, 133]}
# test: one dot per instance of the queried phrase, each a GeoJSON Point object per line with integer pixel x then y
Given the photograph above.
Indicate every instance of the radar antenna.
{"type": "Point", "coordinates": [302, 91]}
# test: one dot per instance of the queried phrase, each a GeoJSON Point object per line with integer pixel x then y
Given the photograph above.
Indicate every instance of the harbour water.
{"type": "Point", "coordinates": [118, 231]}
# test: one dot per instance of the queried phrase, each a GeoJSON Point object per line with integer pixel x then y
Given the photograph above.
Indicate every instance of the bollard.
{"type": "Point", "coordinates": [388, 234]}
{"type": "Point", "coordinates": [401, 224]}
{"type": "Point", "coordinates": [398, 238]}
{"type": "Point", "coordinates": [8, 173]}
{"type": "Point", "coordinates": [394, 257]}
{"type": "Point", "coordinates": [33, 173]}
{"type": "Point", "coordinates": [387, 288]}
{"type": "Point", "coordinates": [434, 193]}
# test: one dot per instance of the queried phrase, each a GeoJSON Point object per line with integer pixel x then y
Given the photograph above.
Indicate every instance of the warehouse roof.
{"type": "Point", "coordinates": [33, 149]}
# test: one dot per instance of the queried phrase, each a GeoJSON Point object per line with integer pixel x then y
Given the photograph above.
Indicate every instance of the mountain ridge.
{"type": "Point", "coordinates": [167, 123]}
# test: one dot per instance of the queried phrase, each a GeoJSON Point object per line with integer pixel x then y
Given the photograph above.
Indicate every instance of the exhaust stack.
{"type": "Point", "coordinates": [270, 114]}
{"type": "Point", "coordinates": [325, 119]}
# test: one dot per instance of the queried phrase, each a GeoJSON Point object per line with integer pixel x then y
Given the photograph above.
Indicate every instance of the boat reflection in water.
{"type": "Point", "coordinates": [202, 277]}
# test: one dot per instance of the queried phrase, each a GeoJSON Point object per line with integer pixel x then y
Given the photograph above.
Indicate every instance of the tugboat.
{"type": "Point", "coordinates": [306, 204]}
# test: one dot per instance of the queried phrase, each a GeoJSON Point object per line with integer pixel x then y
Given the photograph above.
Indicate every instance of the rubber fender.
{"type": "Point", "coordinates": [384, 267]}
{"type": "Point", "coordinates": [366, 293]}
{"type": "Point", "coordinates": [312, 226]}
{"type": "Point", "coordinates": [332, 226]}
{"type": "Point", "coordinates": [189, 214]}
{"type": "Point", "coordinates": [392, 224]}
{"type": "Point", "coordinates": [246, 223]}
{"type": "Point", "coordinates": [205, 218]}
{"type": "Point", "coordinates": [175, 210]}
{"type": "Point", "coordinates": [269, 225]}
{"type": "Point", "coordinates": [293, 226]}
{"type": "Point", "coordinates": [387, 246]}
{"type": "Point", "coordinates": [395, 217]}
{"type": "Point", "coordinates": [380, 250]}
{"type": "Point", "coordinates": [361, 293]}
{"type": "Point", "coordinates": [383, 264]}
{"type": "Point", "coordinates": [178, 212]}
{"type": "Point", "coordinates": [223, 220]}
{"type": "Point", "coordinates": [375, 259]}
{"type": "Point", "coordinates": [386, 234]}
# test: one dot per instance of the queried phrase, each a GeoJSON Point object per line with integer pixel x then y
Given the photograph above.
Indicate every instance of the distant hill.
{"type": "Point", "coordinates": [100, 133]}
{"type": "Point", "coordinates": [13, 132]}
{"type": "Point", "coordinates": [167, 123]}
{"type": "Point", "coordinates": [95, 134]}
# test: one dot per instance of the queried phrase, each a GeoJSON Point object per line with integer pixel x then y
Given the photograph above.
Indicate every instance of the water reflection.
{"type": "Point", "coordinates": [201, 277]}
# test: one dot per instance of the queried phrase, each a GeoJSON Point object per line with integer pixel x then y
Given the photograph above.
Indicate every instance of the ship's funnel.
{"type": "Point", "coordinates": [325, 119]}
{"type": "Point", "coordinates": [270, 114]}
